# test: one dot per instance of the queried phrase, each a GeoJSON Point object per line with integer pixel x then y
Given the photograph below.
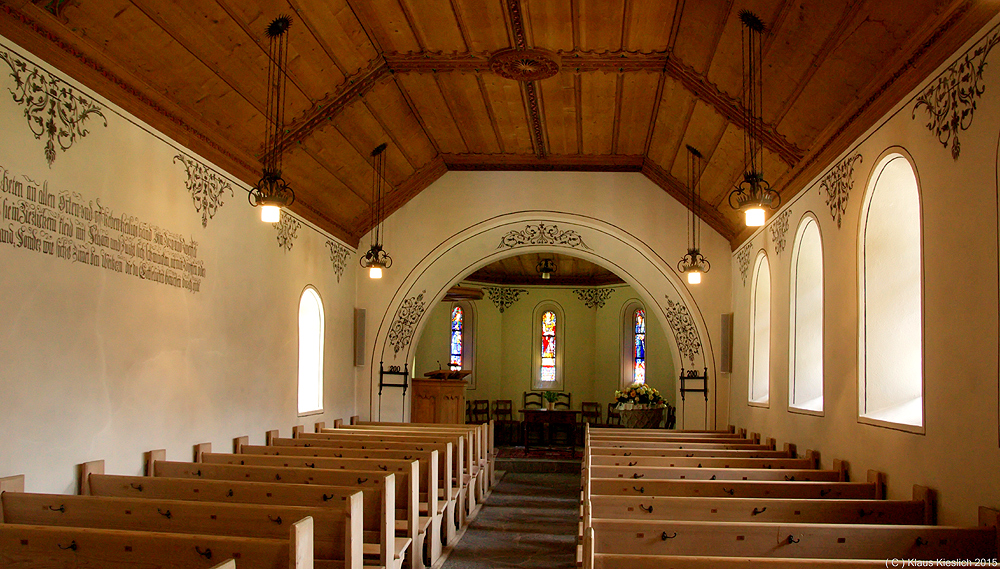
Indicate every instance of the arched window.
{"type": "Point", "coordinates": [639, 346]}
{"type": "Point", "coordinates": [891, 371]}
{"type": "Point", "coordinates": [457, 315]}
{"type": "Point", "coordinates": [310, 352]}
{"type": "Point", "coordinates": [805, 366]}
{"type": "Point", "coordinates": [760, 332]}
{"type": "Point", "coordinates": [548, 346]}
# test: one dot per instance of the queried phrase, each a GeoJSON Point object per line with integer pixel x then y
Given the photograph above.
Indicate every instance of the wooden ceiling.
{"type": "Point", "coordinates": [522, 270]}
{"type": "Point", "coordinates": [637, 81]}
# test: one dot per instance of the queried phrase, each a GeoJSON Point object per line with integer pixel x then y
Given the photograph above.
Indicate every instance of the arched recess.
{"type": "Point", "coordinates": [653, 278]}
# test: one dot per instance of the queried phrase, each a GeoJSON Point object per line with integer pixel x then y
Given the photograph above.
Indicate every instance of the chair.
{"type": "Point", "coordinates": [531, 400]}
{"type": "Point", "coordinates": [590, 412]}
{"type": "Point", "coordinates": [671, 421]}
{"type": "Point", "coordinates": [564, 401]}
{"type": "Point", "coordinates": [480, 411]}
{"type": "Point", "coordinates": [614, 417]}
{"type": "Point", "coordinates": [508, 430]}
{"type": "Point", "coordinates": [468, 412]}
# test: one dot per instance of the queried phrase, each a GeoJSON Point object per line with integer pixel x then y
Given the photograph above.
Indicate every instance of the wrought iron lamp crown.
{"type": "Point", "coordinates": [694, 264]}
{"type": "Point", "coordinates": [753, 193]}
{"type": "Point", "coordinates": [272, 192]}
{"type": "Point", "coordinates": [546, 267]}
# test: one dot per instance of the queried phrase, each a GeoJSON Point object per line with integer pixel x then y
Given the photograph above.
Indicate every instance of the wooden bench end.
{"type": "Point", "coordinates": [298, 430]}
{"type": "Point", "coordinates": [338, 423]}
{"type": "Point", "coordinates": [355, 419]}
{"type": "Point", "coordinates": [270, 436]}
{"type": "Point", "coordinates": [990, 517]}
{"type": "Point", "coordinates": [878, 479]}
{"type": "Point", "coordinates": [302, 546]}
{"type": "Point", "coordinates": [732, 428]}
{"type": "Point", "coordinates": [200, 449]}
{"type": "Point", "coordinates": [151, 457]}
{"type": "Point", "coordinates": [319, 426]}
{"type": "Point", "coordinates": [929, 497]}
{"type": "Point", "coordinates": [792, 451]}
{"type": "Point", "coordinates": [85, 470]}
{"type": "Point", "coordinates": [239, 443]}
{"type": "Point", "coordinates": [12, 484]}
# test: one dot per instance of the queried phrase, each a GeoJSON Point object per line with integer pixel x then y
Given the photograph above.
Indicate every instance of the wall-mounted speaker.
{"type": "Point", "coordinates": [359, 336]}
{"type": "Point", "coordinates": [727, 343]}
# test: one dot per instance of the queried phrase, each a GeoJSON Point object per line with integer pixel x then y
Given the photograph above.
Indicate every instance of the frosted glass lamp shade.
{"type": "Point", "coordinates": [755, 216]}
{"type": "Point", "coordinates": [694, 277]}
{"type": "Point", "coordinates": [270, 213]}
{"type": "Point", "coordinates": [375, 272]}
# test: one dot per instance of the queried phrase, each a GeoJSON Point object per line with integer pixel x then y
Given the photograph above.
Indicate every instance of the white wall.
{"type": "Point", "coordinates": [592, 357]}
{"type": "Point", "coordinates": [99, 364]}
{"type": "Point", "coordinates": [957, 453]}
{"type": "Point", "coordinates": [456, 225]}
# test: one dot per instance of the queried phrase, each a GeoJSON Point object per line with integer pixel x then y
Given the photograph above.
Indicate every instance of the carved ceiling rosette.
{"type": "Point", "coordinates": [524, 64]}
{"type": "Point", "coordinates": [405, 322]}
{"type": "Point", "coordinates": [206, 187]}
{"type": "Point", "coordinates": [950, 101]}
{"type": "Point", "coordinates": [53, 108]}
{"type": "Point", "coordinates": [503, 297]}
{"type": "Point", "coordinates": [593, 297]}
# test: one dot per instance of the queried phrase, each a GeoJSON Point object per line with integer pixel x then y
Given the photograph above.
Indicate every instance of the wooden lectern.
{"type": "Point", "coordinates": [439, 397]}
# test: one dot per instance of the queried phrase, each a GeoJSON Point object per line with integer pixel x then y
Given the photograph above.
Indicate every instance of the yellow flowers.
{"type": "Point", "coordinates": [639, 394]}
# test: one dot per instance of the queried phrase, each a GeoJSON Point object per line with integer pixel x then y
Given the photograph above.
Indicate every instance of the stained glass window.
{"type": "Point", "coordinates": [548, 346]}
{"type": "Point", "coordinates": [639, 347]}
{"type": "Point", "coordinates": [456, 337]}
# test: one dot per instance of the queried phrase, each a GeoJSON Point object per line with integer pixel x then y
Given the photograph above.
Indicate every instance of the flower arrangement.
{"type": "Point", "coordinates": [638, 394]}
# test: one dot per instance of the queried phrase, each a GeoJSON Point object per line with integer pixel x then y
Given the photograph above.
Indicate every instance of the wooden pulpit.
{"type": "Point", "coordinates": [439, 397]}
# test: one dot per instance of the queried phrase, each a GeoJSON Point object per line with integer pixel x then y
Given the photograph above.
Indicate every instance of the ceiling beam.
{"type": "Point", "coordinates": [568, 163]}
{"type": "Point", "coordinates": [681, 193]}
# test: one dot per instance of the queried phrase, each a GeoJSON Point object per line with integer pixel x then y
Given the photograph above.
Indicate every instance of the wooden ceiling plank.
{"type": "Point", "coordinates": [416, 116]}
{"type": "Point", "coordinates": [507, 100]}
{"type": "Point", "coordinates": [725, 169]}
{"type": "Point", "coordinates": [671, 123]}
{"type": "Point", "coordinates": [546, 21]}
{"type": "Point", "coordinates": [480, 24]}
{"type": "Point", "coordinates": [312, 183]}
{"type": "Point", "coordinates": [491, 113]}
{"type": "Point", "coordinates": [698, 35]}
{"type": "Point", "coordinates": [428, 102]}
{"type": "Point", "coordinates": [435, 26]}
{"type": "Point", "coordinates": [704, 131]}
{"type": "Point", "coordinates": [600, 23]}
{"type": "Point", "coordinates": [551, 162]}
{"type": "Point", "coordinates": [363, 131]}
{"type": "Point", "coordinates": [597, 96]}
{"type": "Point", "coordinates": [387, 25]}
{"type": "Point", "coordinates": [400, 195]}
{"type": "Point", "coordinates": [711, 216]}
{"type": "Point", "coordinates": [309, 68]}
{"type": "Point", "coordinates": [333, 184]}
{"type": "Point", "coordinates": [616, 123]}
{"type": "Point", "coordinates": [649, 25]}
{"type": "Point", "coordinates": [338, 31]}
{"type": "Point", "coordinates": [637, 111]}
{"type": "Point", "coordinates": [328, 148]}
{"type": "Point", "coordinates": [387, 103]}
{"type": "Point", "coordinates": [465, 100]}
{"type": "Point", "coordinates": [725, 69]}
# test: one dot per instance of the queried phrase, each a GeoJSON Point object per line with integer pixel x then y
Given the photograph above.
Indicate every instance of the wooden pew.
{"type": "Point", "coordinates": [458, 491]}
{"type": "Point", "coordinates": [54, 547]}
{"type": "Point", "coordinates": [662, 445]}
{"type": "Point", "coordinates": [405, 486]}
{"type": "Point", "coordinates": [468, 478]}
{"type": "Point", "coordinates": [379, 508]}
{"type": "Point", "coordinates": [425, 474]}
{"type": "Point", "coordinates": [695, 473]}
{"type": "Point", "coordinates": [475, 435]}
{"type": "Point", "coordinates": [487, 432]}
{"type": "Point", "coordinates": [736, 488]}
{"type": "Point", "coordinates": [337, 527]}
{"type": "Point", "coordinates": [918, 511]}
{"type": "Point", "coordinates": [445, 507]}
{"type": "Point", "coordinates": [705, 462]}
{"type": "Point", "coordinates": [844, 541]}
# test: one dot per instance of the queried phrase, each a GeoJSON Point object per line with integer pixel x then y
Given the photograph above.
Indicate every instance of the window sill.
{"type": "Point", "coordinates": [310, 413]}
{"type": "Point", "coordinates": [812, 407]}
{"type": "Point", "coordinates": [763, 403]}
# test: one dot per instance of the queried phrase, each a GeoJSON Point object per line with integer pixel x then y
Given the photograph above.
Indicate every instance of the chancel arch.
{"type": "Point", "coordinates": [660, 289]}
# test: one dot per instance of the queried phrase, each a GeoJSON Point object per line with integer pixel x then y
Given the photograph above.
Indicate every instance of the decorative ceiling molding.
{"type": "Point", "coordinates": [404, 323]}
{"type": "Point", "coordinates": [593, 297]}
{"type": "Point", "coordinates": [950, 101]}
{"type": "Point", "coordinates": [685, 332]}
{"type": "Point", "coordinates": [837, 186]}
{"type": "Point", "coordinates": [541, 234]}
{"type": "Point", "coordinates": [535, 114]}
{"type": "Point", "coordinates": [338, 256]}
{"type": "Point", "coordinates": [354, 87]}
{"type": "Point", "coordinates": [531, 162]}
{"type": "Point", "coordinates": [52, 107]}
{"type": "Point", "coordinates": [503, 297]}
{"type": "Point", "coordinates": [743, 258]}
{"type": "Point", "coordinates": [524, 64]}
{"type": "Point", "coordinates": [206, 187]}
{"type": "Point", "coordinates": [779, 228]}
{"type": "Point", "coordinates": [288, 230]}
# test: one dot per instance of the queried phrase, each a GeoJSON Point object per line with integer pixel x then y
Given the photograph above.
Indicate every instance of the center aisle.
{"type": "Point", "coordinates": [529, 521]}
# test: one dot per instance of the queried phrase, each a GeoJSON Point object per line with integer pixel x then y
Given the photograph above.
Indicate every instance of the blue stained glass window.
{"type": "Point", "coordinates": [639, 347]}
{"type": "Point", "coordinates": [456, 338]}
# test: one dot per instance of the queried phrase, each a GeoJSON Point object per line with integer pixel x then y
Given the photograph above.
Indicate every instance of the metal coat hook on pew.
{"type": "Point", "coordinates": [640, 489]}
{"type": "Point", "coordinates": [207, 554]}
{"type": "Point", "coordinates": [136, 486]}
{"type": "Point", "coordinates": [791, 539]}
{"type": "Point", "coordinates": [645, 509]}
{"type": "Point", "coordinates": [166, 514]}
{"type": "Point", "coordinates": [729, 491]}
{"type": "Point", "coordinates": [275, 520]}
{"type": "Point", "coordinates": [71, 546]}
{"type": "Point", "coordinates": [61, 508]}
{"type": "Point", "coordinates": [665, 537]}
{"type": "Point", "coordinates": [758, 511]}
